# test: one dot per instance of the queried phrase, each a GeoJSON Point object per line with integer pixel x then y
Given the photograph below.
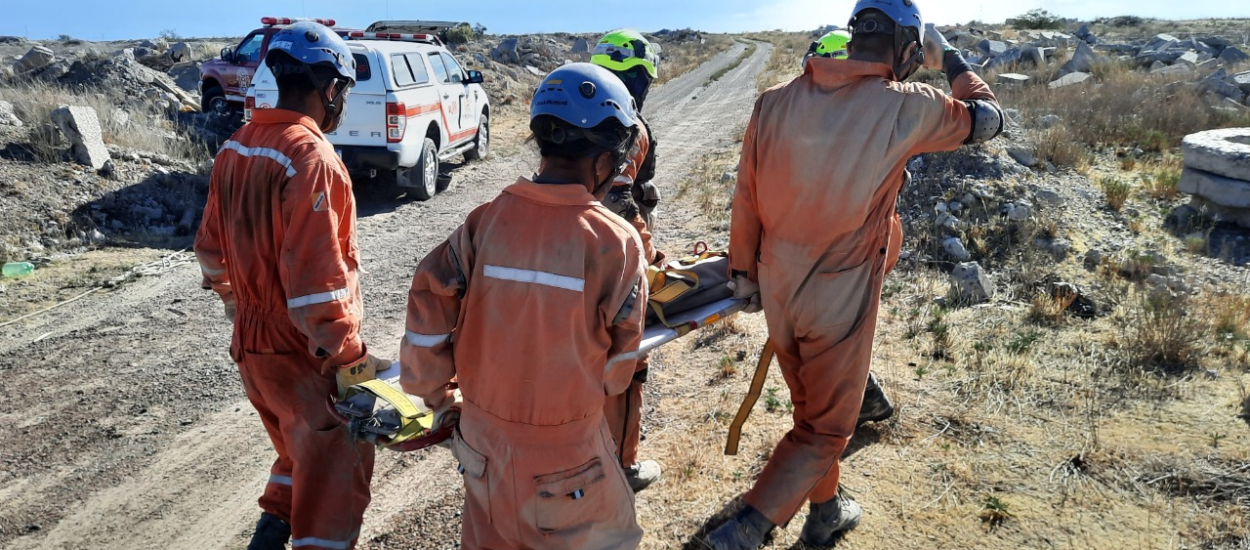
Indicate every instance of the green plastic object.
{"type": "Point", "coordinates": [18, 269]}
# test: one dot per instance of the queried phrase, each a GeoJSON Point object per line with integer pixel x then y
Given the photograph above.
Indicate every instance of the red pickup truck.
{"type": "Point", "coordinates": [224, 81]}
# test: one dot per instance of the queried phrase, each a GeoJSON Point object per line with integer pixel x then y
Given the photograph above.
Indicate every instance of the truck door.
{"type": "Point", "coordinates": [246, 59]}
{"type": "Point", "coordinates": [468, 103]}
{"type": "Point", "coordinates": [450, 95]}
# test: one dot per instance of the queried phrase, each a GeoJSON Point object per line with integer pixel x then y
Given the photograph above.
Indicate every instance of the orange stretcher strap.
{"type": "Point", "coordinates": [753, 396]}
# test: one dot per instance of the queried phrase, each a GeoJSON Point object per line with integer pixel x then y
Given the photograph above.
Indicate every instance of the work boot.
{"type": "Point", "coordinates": [642, 475]}
{"type": "Point", "coordinates": [827, 519]}
{"type": "Point", "coordinates": [877, 406]}
{"type": "Point", "coordinates": [271, 533]}
{"type": "Point", "coordinates": [746, 531]}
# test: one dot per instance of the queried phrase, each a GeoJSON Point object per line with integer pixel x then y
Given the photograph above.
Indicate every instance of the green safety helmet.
{"type": "Point", "coordinates": [832, 44]}
{"type": "Point", "coordinates": [624, 49]}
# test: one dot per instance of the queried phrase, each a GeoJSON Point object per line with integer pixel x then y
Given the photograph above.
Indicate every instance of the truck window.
{"type": "Point", "coordinates": [363, 71]}
{"type": "Point", "coordinates": [419, 73]}
{"type": "Point", "coordinates": [249, 50]}
{"type": "Point", "coordinates": [453, 69]}
{"type": "Point", "coordinates": [403, 75]}
{"type": "Point", "coordinates": [440, 70]}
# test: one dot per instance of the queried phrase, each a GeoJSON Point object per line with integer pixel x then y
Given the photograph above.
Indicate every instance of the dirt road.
{"type": "Point", "coordinates": [123, 420]}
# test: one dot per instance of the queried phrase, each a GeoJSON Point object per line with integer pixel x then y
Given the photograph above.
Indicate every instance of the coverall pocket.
{"type": "Point", "coordinates": [832, 303]}
{"type": "Point", "coordinates": [473, 470]}
{"type": "Point", "coordinates": [571, 498]}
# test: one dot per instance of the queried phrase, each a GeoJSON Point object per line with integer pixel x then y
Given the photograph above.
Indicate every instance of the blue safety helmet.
{"type": "Point", "coordinates": [584, 95]}
{"type": "Point", "coordinates": [312, 44]}
{"type": "Point", "coordinates": [904, 13]}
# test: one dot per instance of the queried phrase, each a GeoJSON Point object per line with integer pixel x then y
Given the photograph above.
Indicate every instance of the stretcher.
{"type": "Point", "coordinates": [380, 413]}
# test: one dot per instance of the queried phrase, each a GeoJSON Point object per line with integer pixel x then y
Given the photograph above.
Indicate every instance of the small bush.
{"type": "Point", "coordinates": [1162, 183]}
{"type": "Point", "coordinates": [1121, 21]}
{"type": "Point", "coordinates": [460, 34]}
{"type": "Point", "coordinates": [1117, 191]}
{"type": "Point", "coordinates": [1038, 19]}
{"type": "Point", "coordinates": [1061, 147]}
{"type": "Point", "coordinates": [170, 35]}
{"type": "Point", "coordinates": [1161, 333]}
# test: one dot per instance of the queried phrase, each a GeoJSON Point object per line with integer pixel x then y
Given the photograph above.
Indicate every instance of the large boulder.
{"type": "Point", "coordinates": [36, 59]}
{"type": "Point", "coordinates": [506, 51]}
{"type": "Point", "coordinates": [187, 76]}
{"type": "Point", "coordinates": [993, 48]}
{"type": "Point", "coordinates": [81, 127]}
{"type": "Point", "coordinates": [1083, 60]}
{"type": "Point", "coordinates": [972, 283]}
{"type": "Point", "coordinates": [1190, 58]}
{"type": "Point", "coordinates": [1221, 152]}
{"type": "Point", "coordinates": [1219, 83]}
{"type": "Point", "coordinates": [1242, 80]}
{"type": "Point", "coordinates": [1233, 55]}
{"type": "Point", "coordinates": [1218, 189]}
{"type": "Point", "coordinates": [581, 46]}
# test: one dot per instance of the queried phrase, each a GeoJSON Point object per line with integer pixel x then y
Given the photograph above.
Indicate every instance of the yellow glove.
{"type": "Point", "coordinates": [362, 370]}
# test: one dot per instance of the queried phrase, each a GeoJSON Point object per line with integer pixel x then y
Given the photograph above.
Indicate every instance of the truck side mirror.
{"type": "Point", "coordinates": [227, 55]}
{"type": "Point", "coordinates": [475, 77]}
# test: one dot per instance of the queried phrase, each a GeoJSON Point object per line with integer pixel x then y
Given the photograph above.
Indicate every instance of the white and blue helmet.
{"type": "Point", "coordinates": [584, 95]}
{"type": "Point", "coordinates": [312, 44]}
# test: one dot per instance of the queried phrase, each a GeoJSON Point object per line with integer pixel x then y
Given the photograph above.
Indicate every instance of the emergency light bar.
{"type": "Point", "coordinates": [362, 35]}
{"type": "Point", "coordinates": [271, 21]}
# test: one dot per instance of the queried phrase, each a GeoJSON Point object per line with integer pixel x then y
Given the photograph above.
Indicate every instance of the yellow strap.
{"type": "Point", "coordinates": [753, 395]}
{"type": "Point", "coordinates": [413, 428]}
{"type": "Point", "coordinates": [402, 403]}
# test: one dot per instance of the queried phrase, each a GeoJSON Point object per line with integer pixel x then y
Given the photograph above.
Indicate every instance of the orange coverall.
{"type": "Point", "coordinates": [814, 222]}
{"type": "Point", "coordinates": [624, 411]}
{"type": "Point", "coordinates": [278, 238]}
{"type": "Point", "coordinates": [522, 307]}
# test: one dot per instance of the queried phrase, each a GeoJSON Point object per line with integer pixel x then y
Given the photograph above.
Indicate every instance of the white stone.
{"type": "Point", "coordinates": [1221, 152]}
{"type": "Point", "coordinates": [955, 249]}
{"type": "Point", "coordinates": [37, 58]}
{"type": "Point", "coordinates": [972, 282]}
{"type": "Point", "coordinates": [81, 127]}
{"type": "Point", "coordinates": [1012, 78]}
{"type": "Point", "coordinates": [1070, 79]}
{"type": "Point", "coordinates": [1220, 190]}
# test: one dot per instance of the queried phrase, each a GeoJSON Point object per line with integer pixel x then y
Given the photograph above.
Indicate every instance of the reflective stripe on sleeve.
{"type": "Point", "coordinates": [426, 340]}
{"type": "Point", "coordinates": [280, 480]}
{"type": "Point", "coordinates": [323, 543]}
{"type": "Point", "coordinates": [314, 299]}
{"type": "Point", "coordinates": [535, 277]}
{"type": "Point", "coordinates": [211, 272]}
{"type": "Point", "coordinates": [266, 152]}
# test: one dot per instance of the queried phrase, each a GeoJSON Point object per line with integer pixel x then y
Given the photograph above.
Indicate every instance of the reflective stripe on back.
{"type": "Point", "coordinates": [266, 152]}
{"type": "Point", "coordinates": [535, 277]}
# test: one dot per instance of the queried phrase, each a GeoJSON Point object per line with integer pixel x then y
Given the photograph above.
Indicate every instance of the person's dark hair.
{"type": "Point", "coordinates": [293, 78]}
{"type": "Point", "coordinates": [879, 44]}
{"type": "Point", "coordinates": [558, 139]}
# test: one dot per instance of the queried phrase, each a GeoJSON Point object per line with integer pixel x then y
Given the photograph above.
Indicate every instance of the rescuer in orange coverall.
{"type": "Point", "coordinates": [522, 307]}
{"type": "Point", "coordinates": [813, 228]}
{"type": "Point", "coordinates": [278, 244]}
{"type": "Point", "coordinates": [634, 197]}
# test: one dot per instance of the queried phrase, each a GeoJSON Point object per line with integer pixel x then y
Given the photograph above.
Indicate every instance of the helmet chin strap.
{"type": "Point", "coordinates": [913, 63]}
{"type": "Point", "coordinates": [333, 107]}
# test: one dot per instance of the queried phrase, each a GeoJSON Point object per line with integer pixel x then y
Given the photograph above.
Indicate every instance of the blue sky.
{"type": "Point", "coordinates": [122, 19]}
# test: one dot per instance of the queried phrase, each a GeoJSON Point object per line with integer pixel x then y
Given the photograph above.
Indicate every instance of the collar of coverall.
{"type": "Point", "coordinates": [283, 116]}
{"type": "Point", "coordinates": [572, 194]}
{"type": "Point", "coordinates": [835, 72]}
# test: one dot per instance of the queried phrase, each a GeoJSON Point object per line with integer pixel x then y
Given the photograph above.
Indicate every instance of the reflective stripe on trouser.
{"type": "Point", "coordinates": [822, 329]}
{"type": "Point", "coordinates": [549, 487]}
{"type": "Point", "coordinates": [320, 481]}
{"type": "Point", "coordinates": [624, 415]}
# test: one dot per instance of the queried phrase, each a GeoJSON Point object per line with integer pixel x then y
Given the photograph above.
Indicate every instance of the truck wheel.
{"type": "Point", "coordinates": [482, 148]}
{"type": "Point", "coordinates": [423, 178]}
{"type": "Point", "coordinates": [214, 101]}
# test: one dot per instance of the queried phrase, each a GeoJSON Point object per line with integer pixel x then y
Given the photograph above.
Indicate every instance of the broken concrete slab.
{"type": "Point", "coordinates": [81, 127]}
{"type": "Point", "coordinates": [1070, 79]}
{"type": "Point", "coordinates": [1221, 152]}
{"type": "Point", "coordinates": [1233, 55]}
{"type": "Point", "coordinates": [1012, 78]}
{"type": "Point", "coordinates": [993, 47]}
{"type": "Point", "coordinates": [1083, 60]}
{"type": "Point", "coordinates": [1218, 189]}
{"type": "Point", "coordinates": [35, 59]}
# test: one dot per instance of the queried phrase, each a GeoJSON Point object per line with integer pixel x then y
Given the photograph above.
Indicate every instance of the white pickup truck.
{"type": "Point", "coordinates": [414, 107]}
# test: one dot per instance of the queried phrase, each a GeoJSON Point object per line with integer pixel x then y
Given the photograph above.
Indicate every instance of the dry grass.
{"type": "Point", "coordinates": [123, 124]}
{"type": "Point", "coordinates": [1161, 332]}
{"type": "Point", "coordinates": [680, 58]}
{"type": "Point", "coordinates": [785, 63]}
{"type": "Point", "coordinates": [1127, 108]}
{"type": "Point", "coordinates": [1162, 180]}
{"type": "Point", "coordinates": [1060, 146]}
{"type": "Point", "coordinates": [709, 188]}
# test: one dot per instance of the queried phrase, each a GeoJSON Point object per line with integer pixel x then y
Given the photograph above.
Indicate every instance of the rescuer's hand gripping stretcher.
{"type": "Point", "coordinates": [685, 295]}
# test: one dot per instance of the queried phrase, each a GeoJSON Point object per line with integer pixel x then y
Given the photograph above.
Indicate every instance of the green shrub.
{"type": "Point", "coordinates": [1038, 19]}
